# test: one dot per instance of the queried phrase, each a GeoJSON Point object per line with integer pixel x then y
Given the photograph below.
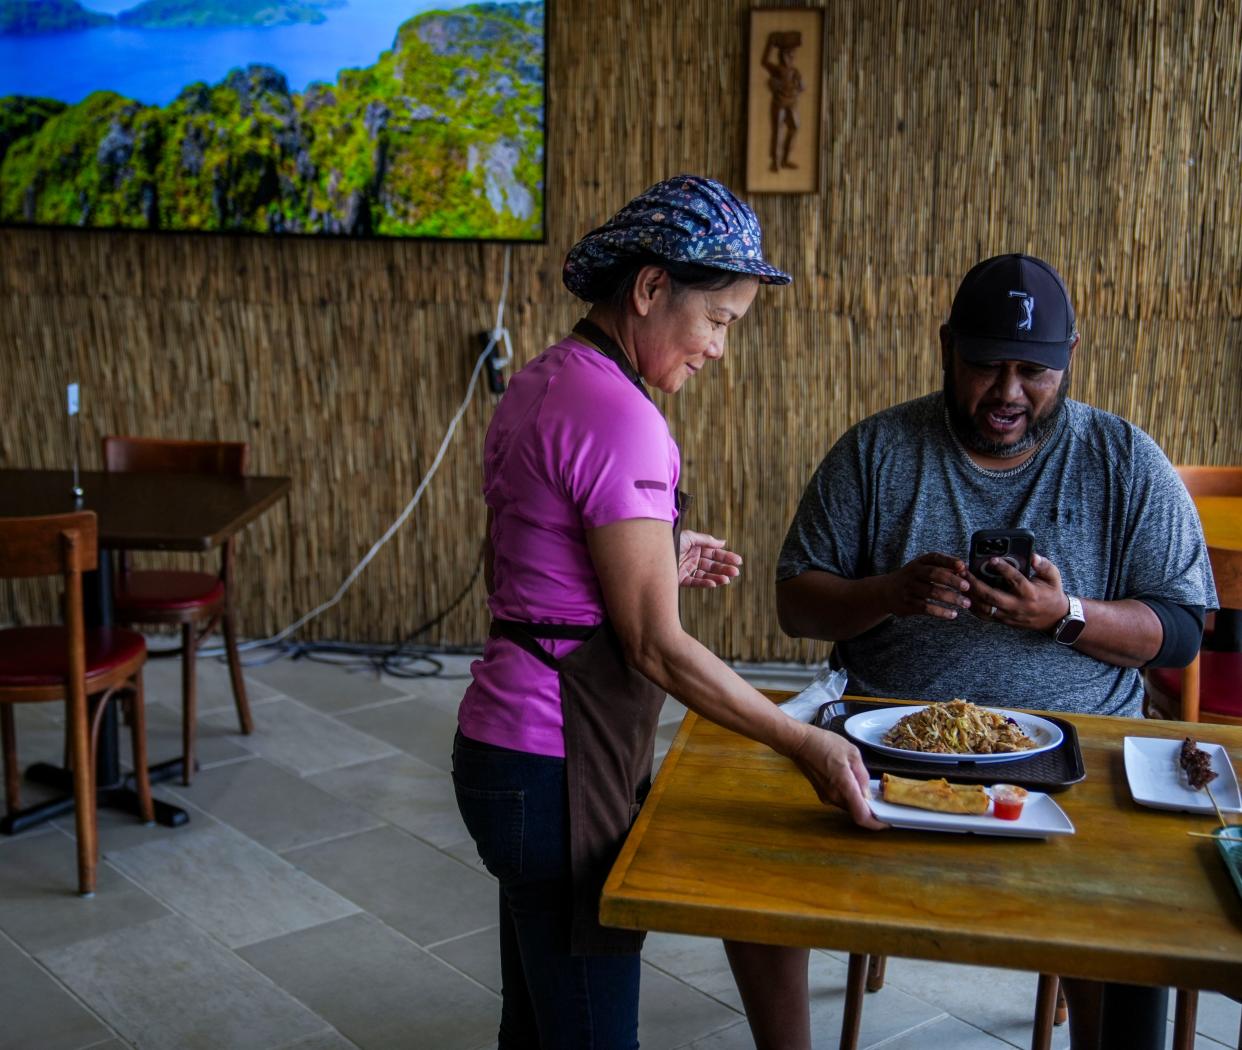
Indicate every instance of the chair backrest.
{"type": "Point", "coordinates": [174, 456]}
{"type": "Point", "coordinates": [1211, 481]}
{"type": "Point", "coordinates": [1226, 563]}
{"type": "Point", "coordinates": [1227, 571]}
{"type": "Point", "coordinates": [53, 545]}
{"type": "Point", "coordinates": [56, 545]}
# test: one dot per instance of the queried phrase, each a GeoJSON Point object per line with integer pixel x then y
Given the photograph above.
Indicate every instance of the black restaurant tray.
{"type": "Point", "coordinates": [1050, 771]}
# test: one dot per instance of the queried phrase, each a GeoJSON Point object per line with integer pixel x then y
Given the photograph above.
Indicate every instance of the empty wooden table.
{"type": "Point", "coordinates": [733, 843]}
{"type": "Point", "coordinates": [150, 512]}
{"type": "Point", "coordinates": [167, 512]}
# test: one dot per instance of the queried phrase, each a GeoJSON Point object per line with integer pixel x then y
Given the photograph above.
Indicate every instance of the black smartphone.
{"type": "Point", "coordinates": [1012, 545]}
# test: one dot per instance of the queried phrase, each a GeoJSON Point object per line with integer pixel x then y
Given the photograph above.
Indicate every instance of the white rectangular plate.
{"type": "Point", "coordinates": [1041, 817]}
{"type": "Point", "coordinates": [1156, 780]}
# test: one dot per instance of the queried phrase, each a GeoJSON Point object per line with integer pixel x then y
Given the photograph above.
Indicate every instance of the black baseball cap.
{"type": "Point", "coordinates": [1013, 308]}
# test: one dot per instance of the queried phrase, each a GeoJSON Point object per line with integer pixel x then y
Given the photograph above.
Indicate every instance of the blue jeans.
{"type": "Point", "coordinates": [516, 809]}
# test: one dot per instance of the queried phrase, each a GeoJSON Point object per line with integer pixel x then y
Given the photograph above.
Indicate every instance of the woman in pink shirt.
{"type": "Point", "coordinates": [585, 556]}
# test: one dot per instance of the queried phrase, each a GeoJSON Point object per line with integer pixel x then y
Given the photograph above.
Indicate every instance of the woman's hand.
{"type": "Point", "coordinates": [640, 594]}
{"type": "Point", "coordinates": [702, 561]}
{"type": "Point", "coordinates": [836, 771]}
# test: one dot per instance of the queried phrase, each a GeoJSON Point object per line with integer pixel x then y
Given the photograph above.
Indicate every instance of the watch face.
{"type": "Point", "coordinates": [1068, 632]}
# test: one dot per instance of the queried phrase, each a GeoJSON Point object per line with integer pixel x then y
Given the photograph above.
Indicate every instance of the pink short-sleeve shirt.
{"type": "Point", "coordinates": [574, 445]}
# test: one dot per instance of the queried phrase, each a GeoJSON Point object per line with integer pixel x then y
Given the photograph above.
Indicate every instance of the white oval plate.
{"type": "Point", "coordinates": [868, 727]}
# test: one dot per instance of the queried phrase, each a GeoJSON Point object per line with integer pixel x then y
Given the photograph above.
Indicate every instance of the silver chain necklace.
{"type": "Point", "coordinates": [948, 422]}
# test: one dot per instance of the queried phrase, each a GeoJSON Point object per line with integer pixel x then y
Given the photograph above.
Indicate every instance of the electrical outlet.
{"type": "Point", "coordinates": [495, 375]}
{"type": "Point", "coordinates": [492, 366]}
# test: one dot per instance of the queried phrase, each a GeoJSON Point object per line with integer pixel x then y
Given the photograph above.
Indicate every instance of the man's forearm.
{"type": "Point", "coordinates": [830, 608]}
{"type": "Point", "coordinates": [1125, 633]}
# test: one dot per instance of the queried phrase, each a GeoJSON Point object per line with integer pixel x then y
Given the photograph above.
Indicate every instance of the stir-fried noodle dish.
{"type": "Point", "coordinates": [958, 728]}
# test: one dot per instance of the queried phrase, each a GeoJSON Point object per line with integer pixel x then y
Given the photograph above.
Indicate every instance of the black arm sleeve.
{"type": "Point", "coordinates": [1183, 631]}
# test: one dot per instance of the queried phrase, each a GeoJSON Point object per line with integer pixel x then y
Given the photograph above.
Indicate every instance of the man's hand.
{"type": "Point", "coordinates": [702, 561]}
{"type": "Point", "coordinates": [1036, 604]}
{"type": "Point", "coordinates": [836, 771]}
{"type": "Point", "coordinates": [931, 585]}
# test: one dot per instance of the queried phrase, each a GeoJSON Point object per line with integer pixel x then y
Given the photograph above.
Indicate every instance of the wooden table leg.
{"type": "Point", "coordinates": [851, 1018]}
{"type": "Point", "coordinates": [1045, 1010]}
{"type": "Point", "coordinates": [1185, 1013]}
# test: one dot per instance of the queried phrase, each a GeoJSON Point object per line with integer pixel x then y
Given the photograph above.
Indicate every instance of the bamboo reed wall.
{"type": "Point", "coordinates": [1104, 137]}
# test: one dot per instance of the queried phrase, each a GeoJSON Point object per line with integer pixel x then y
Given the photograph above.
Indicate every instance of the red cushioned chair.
{"type": "Point", "coordinates": [197, 601]}
{"type": "Point", "coordinates": [85, 668]}
{"type": "Point", "coordinates": [1210, 689]}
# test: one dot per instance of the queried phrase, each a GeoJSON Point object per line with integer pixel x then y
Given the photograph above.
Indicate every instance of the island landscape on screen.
{"type": "Point", "coordinates": [367, 118]}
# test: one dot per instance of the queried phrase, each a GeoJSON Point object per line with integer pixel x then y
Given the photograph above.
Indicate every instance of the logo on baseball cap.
{"type": "Point", "coordinates": [1013, 308]}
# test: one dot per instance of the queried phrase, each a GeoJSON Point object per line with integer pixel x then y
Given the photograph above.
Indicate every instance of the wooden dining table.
{"type": "Point", "coordinates": [733, 843]}
{"type": "Point", "coordinates": [135, 512]}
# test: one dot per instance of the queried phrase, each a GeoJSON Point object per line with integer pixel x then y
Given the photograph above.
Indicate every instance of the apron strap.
{"type": "Point", "coordinates": [591, 333]}
{"type": "Point", "coordinates": [524, 635]}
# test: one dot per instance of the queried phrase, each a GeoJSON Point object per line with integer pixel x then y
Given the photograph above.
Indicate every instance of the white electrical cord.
{"type": "Point", "coordinates": [499, 334]}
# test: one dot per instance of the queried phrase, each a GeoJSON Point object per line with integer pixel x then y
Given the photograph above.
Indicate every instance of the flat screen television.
{"type": "Point", "coordinates": [364, 118]}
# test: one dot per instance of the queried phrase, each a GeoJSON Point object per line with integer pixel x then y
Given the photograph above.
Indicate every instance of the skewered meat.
{"type": "Point", "coordinates": [1197, 764]}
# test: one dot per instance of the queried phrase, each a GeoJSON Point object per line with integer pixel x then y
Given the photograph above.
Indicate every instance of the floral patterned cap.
{"type": "Point", "coordinates": [686, 219]}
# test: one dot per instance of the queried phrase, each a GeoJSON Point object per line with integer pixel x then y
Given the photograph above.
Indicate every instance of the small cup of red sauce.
{"type": "Point", "coordinates": [1007, 801]}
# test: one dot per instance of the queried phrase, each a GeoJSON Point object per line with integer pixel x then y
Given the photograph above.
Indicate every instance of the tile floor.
{"type": "Point", "coordinates": [324, 896]}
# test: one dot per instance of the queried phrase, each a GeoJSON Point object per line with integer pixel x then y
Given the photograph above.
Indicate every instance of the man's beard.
{"type": "Point", "coordinates": [1037, 428]}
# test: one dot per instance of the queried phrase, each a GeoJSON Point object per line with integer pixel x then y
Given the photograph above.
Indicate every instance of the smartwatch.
{"type": "Point", "coordinates": [1070, 626]}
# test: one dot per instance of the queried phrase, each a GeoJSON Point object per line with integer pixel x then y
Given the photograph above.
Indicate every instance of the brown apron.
{"type": "Point", "coordinates": [610, 713]}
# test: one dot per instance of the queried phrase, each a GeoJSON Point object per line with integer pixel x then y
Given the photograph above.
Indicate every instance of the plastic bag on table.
{"type": "Point", "coordinates": [827, 686]}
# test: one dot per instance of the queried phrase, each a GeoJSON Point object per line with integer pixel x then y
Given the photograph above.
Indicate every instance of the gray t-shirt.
{"type": "Point", "coordinates": [1103, 501]}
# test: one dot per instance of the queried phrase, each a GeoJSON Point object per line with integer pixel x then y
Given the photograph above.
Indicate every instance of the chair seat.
{"type": "Point", "coordinates": [1220, 683]}
{"type": "Point", "coordinates": [159, 590]}
{"type": "Point", "coordinates": [37, 656]}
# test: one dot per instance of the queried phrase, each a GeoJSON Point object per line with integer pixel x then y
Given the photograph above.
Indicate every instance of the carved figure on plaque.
{"type": "Point", "coordinates": [785, 83]}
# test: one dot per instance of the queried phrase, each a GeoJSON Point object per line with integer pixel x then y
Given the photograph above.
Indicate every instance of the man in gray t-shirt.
{"type": "Point", "coordinates": [875, 559]}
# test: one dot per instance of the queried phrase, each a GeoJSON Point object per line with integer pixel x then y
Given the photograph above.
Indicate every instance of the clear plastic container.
{"type": "Point", "coordinates": [1007, 801]}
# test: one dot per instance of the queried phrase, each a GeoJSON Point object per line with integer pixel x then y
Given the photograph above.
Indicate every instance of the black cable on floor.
{"type": "Point", "coordinates": [398, 660]}
{"type": "Point", "coordinates": [393, 662]}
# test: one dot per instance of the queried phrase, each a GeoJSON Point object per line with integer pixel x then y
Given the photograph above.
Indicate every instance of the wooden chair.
{"type": "Point", "coordinates": [85, 668]}
{"type": "Point", "coordinates": [197, 601]}
{"type": "Point", "coordinates": [1211, 481]}
{"type": "Point", "coordinates": [1210, 689]}
{"type": "Point", "coordinates": [866, 974]}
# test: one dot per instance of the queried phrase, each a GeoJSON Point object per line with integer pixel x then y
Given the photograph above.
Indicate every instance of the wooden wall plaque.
{"type": "Point", "coordinates": [784, 99]}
